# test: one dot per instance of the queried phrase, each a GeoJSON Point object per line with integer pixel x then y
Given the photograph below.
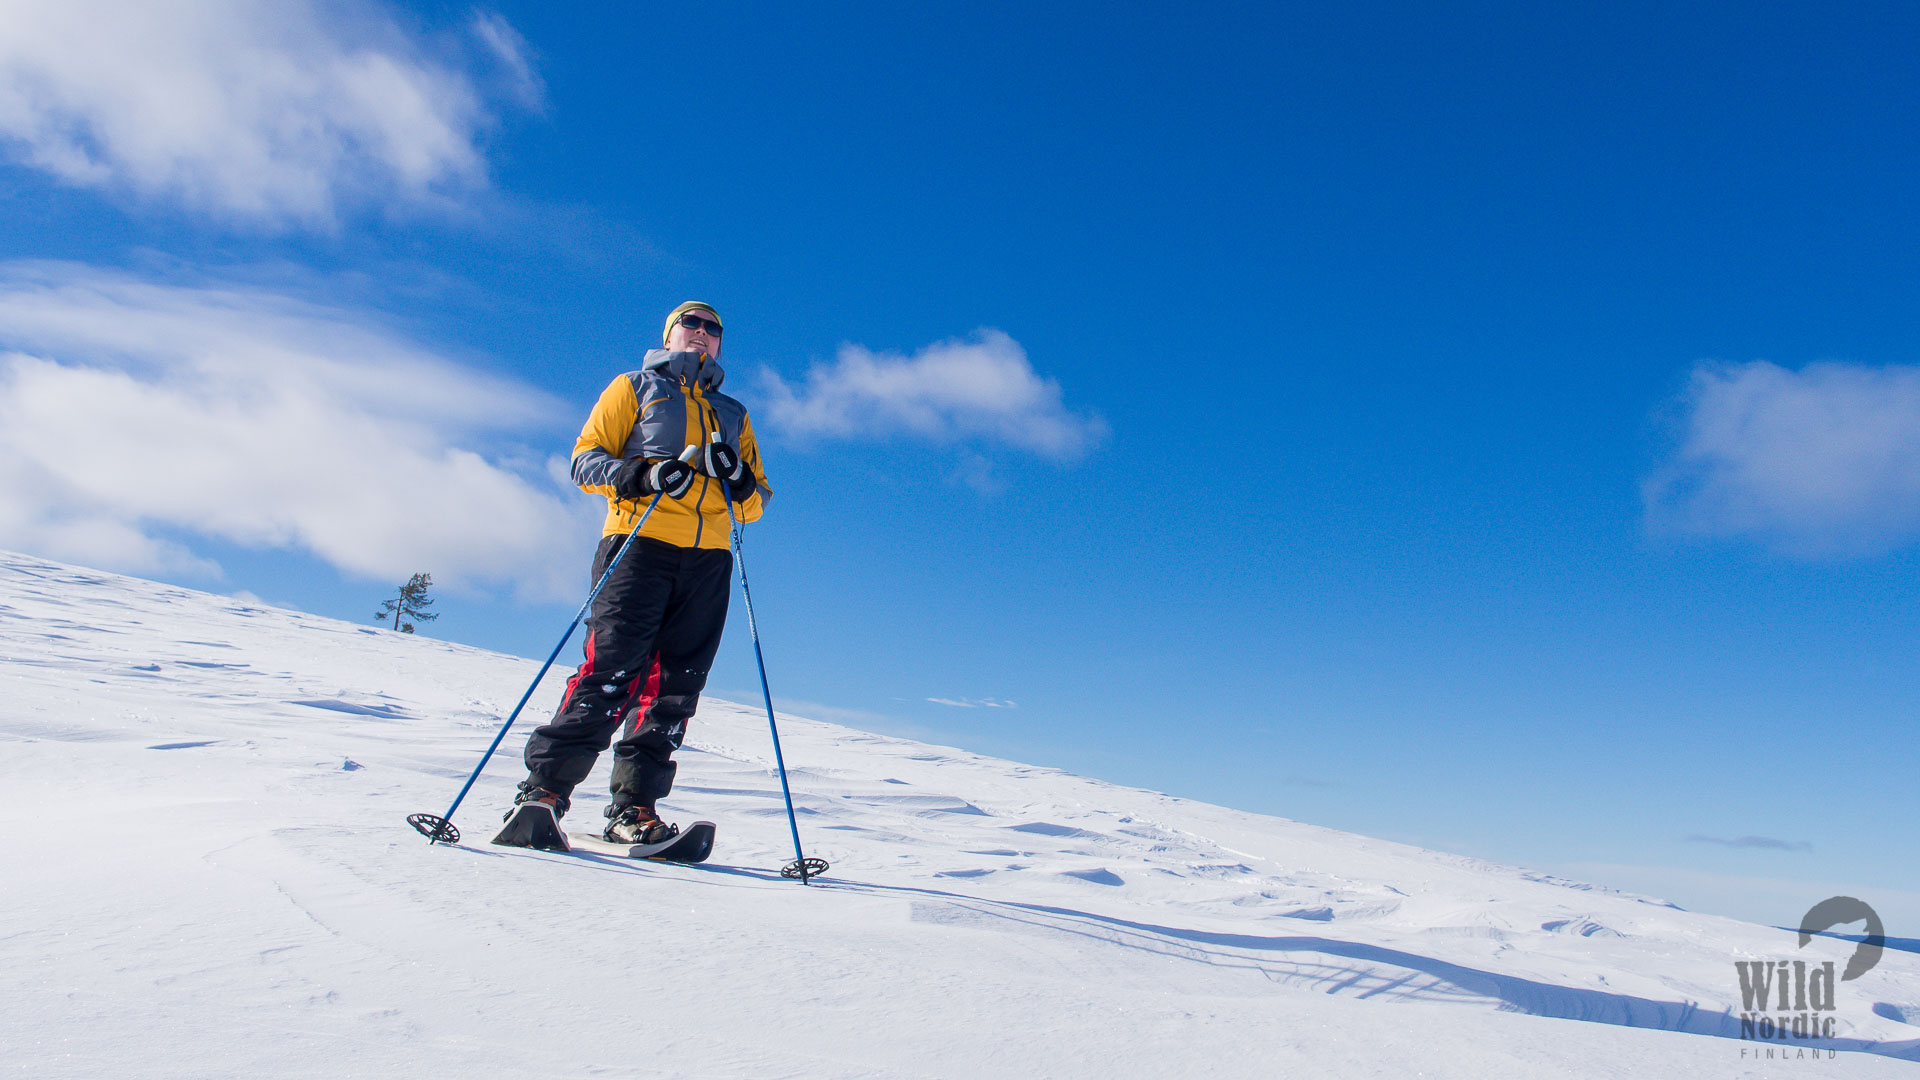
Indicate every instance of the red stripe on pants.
{"type": "Point", "coordinates": [578, 674]}
{"type": "Point", "coordinates": [644, 691]}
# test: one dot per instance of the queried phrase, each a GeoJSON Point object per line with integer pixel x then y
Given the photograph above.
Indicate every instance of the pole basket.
{"type": "Point", "coordinates": [804, 869]}
{"type": "Point", "coordinates": [437, 830]}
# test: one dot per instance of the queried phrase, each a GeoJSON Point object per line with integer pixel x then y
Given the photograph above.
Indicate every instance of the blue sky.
{"type": "Point", "coordinates": [1491, 428]}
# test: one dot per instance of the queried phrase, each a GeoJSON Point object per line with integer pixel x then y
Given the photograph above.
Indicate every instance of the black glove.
{"type": "Point", "coordinates": [722, 462]}
{"type": "Point", "coordinates": [637, 478]}
{"type": "Point", "coordinates": [740, 488]}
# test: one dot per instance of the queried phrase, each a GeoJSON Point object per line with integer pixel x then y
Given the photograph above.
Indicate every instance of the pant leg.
{"type": "Point", "coordinates": [690, 630]}
{"type": "Point", "coordinates": [625, 619]}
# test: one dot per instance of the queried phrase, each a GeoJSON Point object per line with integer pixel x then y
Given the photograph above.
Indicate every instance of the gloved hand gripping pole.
{"type": "Point", "coordinates": [801, 867]}
{"type": "Point", "coordinates": [440, 830]}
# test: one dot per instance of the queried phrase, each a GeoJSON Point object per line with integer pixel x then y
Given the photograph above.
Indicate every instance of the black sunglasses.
{"type": "Point", "coordinates": [695, 322]}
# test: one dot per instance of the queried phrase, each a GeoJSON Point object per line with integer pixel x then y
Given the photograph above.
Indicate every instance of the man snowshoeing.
{"type": "Point", "coordinates": [654, 628]}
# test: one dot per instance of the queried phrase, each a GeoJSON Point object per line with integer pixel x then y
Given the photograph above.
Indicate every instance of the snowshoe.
{"type": "Point", "coordinates": [534, 820]}
{"type": "Point", "coordinates": [691, 846]}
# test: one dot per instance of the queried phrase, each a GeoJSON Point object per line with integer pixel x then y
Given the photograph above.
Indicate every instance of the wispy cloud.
{"type": "Point", "coordinates": [982, 390]}
{"type": "Point", "coordinates": [274, 112]}
{"type": "Point", "coordinates": [1820, 461]}
{"type": "Point", "coordinates": [1766, 901]}
{"type": "Point", "coordinates": [136, 415]}
{"type": "Point", "coordinates": [814, 710]}
{"type": "Point", "coordinates": [976, 471]}
{"type": "Point", "coordinates": [515, 57]}
{"type": "Point", "coordinates": [973, 703]}
{"type": "Point", "coordinates": [1761, 843]}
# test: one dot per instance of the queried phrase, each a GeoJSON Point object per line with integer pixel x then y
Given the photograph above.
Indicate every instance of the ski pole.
{"type": "Point", "coordinates": [801, 867]}
{"type": "Point", "coordinates": [440, 830]}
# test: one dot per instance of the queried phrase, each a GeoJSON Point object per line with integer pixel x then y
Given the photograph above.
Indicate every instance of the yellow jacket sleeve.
{"type": "Point", "coordinates": [596, 453]}
{"type": "Point", "coordinates": [756, 503]}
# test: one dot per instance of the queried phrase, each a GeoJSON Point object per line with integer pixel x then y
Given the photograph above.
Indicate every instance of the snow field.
{"type": "Point", "coordinates": [255, 905]}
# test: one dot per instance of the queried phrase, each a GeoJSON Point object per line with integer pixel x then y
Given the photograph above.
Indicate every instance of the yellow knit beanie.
{"type": "Point", "coordinates": [691, 305]}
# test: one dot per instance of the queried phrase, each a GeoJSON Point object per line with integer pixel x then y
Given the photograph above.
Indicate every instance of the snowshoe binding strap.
{"type": "Point", "coordinates": [532, 791]}
{"type": "Point", "coordinates": [637, 825]}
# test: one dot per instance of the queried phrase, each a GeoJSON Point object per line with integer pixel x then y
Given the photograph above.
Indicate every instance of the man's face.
{"type": "Point", "coordinates": [684, 338]}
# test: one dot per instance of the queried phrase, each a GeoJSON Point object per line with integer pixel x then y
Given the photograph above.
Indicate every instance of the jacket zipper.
{"type": "Point", "coordinates": [699, 504]}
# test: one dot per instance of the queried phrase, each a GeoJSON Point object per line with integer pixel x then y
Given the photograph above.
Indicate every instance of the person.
{"type": "Point", "coordinates": [653, 630]}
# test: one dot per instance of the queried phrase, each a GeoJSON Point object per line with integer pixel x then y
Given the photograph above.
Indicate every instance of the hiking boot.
{"type": "Point", "coordinates": [637, 825]}
{"type": "Point", "coordinates": [532, 792]}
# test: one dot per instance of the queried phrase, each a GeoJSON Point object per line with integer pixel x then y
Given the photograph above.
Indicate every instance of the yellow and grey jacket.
{"type": "Point", "coordinates": [673, 401]}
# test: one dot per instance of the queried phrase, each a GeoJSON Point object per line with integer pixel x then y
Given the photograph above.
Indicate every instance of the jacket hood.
{"type": "Point", "coordinates": [686, 367]}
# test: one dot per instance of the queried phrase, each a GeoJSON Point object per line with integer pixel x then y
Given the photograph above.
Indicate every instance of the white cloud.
{"type": "Point", "coordinates": [973, 703]}
{"type": "Point", "coordinates": [1820, 461]}
{"type": "Point", "coordinates": [976, 471]}
{"type": "Point", "coordinates": [512, 53]}
{"type": "Point", "coordinates": [952, 391]}
{"type": "Point", "coordinates": [135, 414]}
{"type": "Point", "coordinates": [271, 111]}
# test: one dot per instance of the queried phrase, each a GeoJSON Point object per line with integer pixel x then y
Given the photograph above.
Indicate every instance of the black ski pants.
{"type": "Point", "coordinates": [651, 638]}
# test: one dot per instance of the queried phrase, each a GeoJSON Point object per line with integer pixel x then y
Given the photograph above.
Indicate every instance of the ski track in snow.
{"type": "Point", "coordinates": [257, 906]}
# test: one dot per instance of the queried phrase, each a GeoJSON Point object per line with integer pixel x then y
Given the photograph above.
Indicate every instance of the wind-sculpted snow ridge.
{"type": "Point", "coordinates": [212, 877]}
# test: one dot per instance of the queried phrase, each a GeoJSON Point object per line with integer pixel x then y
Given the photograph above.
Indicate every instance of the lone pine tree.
{"type": "Point", "coordinates": [412, 603]}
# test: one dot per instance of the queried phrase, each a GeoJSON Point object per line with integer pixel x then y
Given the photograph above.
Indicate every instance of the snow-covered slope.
{"type": "Point", "coordinates": [209, 875]}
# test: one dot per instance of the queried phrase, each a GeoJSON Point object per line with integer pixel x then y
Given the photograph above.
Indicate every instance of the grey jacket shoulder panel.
{"type": "Point", "coordinates": [660, 425]}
